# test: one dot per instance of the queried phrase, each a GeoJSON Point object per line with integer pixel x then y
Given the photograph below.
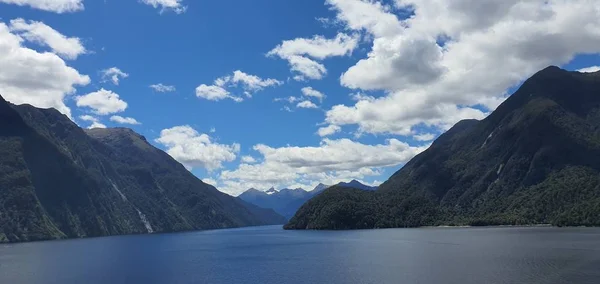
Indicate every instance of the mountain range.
{"type": "Point", "coordinates": [534, 160]}
{"type": "Point", "coordinates": [60, 181]}
{"type": "Point", "coordinates": [287, 201]}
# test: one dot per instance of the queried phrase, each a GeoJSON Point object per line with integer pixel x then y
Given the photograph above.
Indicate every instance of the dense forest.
{"type": "Point", "coordinates": [534, 160]}
{"type": "Point", "coordinates": [57, 181]}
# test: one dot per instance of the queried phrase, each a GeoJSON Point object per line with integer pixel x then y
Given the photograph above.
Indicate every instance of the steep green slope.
{"type": "Point", "coordinates": [56, 181]}
{"type": "Point", "coordinates": [535, 159]}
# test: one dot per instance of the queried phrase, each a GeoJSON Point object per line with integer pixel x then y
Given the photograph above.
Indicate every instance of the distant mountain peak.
{"type": "Point", "coordinates": [120, 135]}
{"type": "Point", "coordinates": [320, 187]}
{"type": "Point", "coordinates": [357, 184]}
{"type": "Point", "coordinates": [271, 190]}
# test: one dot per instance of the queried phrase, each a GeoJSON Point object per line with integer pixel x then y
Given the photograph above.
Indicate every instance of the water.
{"type": "Point", "coordinates": [270, 255]}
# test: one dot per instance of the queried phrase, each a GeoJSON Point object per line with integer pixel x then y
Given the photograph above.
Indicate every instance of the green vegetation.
{"type": "Point", "coordinates": [535, 160]}
{"type": "Point", "coordinates": [57, 181]}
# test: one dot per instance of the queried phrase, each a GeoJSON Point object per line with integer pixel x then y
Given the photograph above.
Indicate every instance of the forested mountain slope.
{"type": "Point", "coordinates": [57, 181]}
{"type": "Point", "coordinates": [535, 159]}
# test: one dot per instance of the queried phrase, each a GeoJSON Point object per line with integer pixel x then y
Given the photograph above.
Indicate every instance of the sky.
{"type": "Point", "coordinates": [286, 94]}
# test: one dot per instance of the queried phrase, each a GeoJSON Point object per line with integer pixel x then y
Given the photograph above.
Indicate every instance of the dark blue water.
{"type": "Point", "coordinates": [270, 255]}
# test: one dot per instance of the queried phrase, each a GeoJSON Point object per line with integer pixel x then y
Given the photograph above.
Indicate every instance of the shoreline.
{"type": "Point", "coordinates": [491, 226]}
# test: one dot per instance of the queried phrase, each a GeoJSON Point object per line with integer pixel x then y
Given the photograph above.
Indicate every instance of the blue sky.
{"type": "Point", "coordinates": [396, 75]}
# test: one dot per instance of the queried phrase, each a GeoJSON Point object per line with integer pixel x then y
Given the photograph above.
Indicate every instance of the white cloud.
{"type": "Point", "coordinates": [307, 68]}
{"type": "Point", "coordinates": [195, 150]}
{"type": "Point", "coordinates": [102, 102]}
{"type": "Point", "coordinates": [488, 47]}
{"type": "Point", "coordinates": [329, 130]}
{"type": "Point", "coordinates": [317, 47]}
{"type": "Point", "coordinates": [298, 52]}
{"type": "Point", "coordinates": [40, 79]}
{"type": "Point", "coordinates": [124, 120]}
{"type": "Point", "coordinates": [96, 124]}
{"type": "Point", "coordinates": [94, 120]}
{"type": "Point", "coordinates": [289, 99]}
{"type": "Point", "coordinates": [209, 181]}
{"type": "Point", "coordinates": [424, 137]}
{"type": "Point", "coordinates": [163, 88]}
{"type": "Point", "coordinates": [40, 33]}
{"type": "Point", "coordinates": [248, 160]}
{"type": "Point", "coordinates": [113, 74]}
{"type": "Point", "coordinates": [306, 104]}
{"type": "Point", "coordinates": [57, 6]}
{"type": "Point", "coordinates": [333, 161]}
{"type": "Point", "coordinates": [213, 130]}
{"type": "Point", "coordinates": [249, 83]}
{"type": "Point", "coordinates": [361, 97]}
{"type": "Point", "coordinates": [310, 92]}
{"type": "Point", "coordinates": [590, 69]}
{"type": "Point", "coordinates": [252, 82]}
{"type": "Point", "coordinates": [167, 5]}
{"type": "Point", "coordinates": [214, 93]}
{"type": "Point", "coordinates": [88, 118]}
{"type": "Point", "coordinates": [371, 16]}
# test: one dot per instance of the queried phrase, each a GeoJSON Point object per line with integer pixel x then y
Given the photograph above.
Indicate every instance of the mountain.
{"type": "Point", "coordinates": [59, 181]}
{"type": "Point", "coordinates": [357, 184]}
{"type": "Point", "coordinates": [320, 187]}
{"type": "Point", "coordinates": [534, 160]}
{"type": "Point", "coordinates": [285, 202]}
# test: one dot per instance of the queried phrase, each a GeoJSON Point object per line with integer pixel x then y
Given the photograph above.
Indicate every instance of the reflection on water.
{"type": "Point", "coordinates": [271, 255]}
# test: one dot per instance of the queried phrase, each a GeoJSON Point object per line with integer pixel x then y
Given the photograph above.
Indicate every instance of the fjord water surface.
{"type": "Point", "coordinates": [271, 255]}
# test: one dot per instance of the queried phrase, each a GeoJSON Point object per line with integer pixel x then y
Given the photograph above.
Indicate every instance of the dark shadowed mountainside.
{"type": "Point", "coordinates": [357, 184]}
{"type": "Point", "coordinates": [59, 181]}
{"type": "Point", "coordinates": [534, 160]}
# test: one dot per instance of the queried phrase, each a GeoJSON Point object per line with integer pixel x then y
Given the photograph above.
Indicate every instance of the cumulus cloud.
{"type": "Point", "coordinates": [302, 52]}
{"type": "Point", "coordinates": [102, 102]}
{"type": "Point", "coordinates": [210, 181]}
{"type": "Point", "coordinates": [590, 69]}
{"type": "Point", "coordinates": [306, 104]}
{"type": "Point", "coordinates": [57, 6]}
{"type": "Point", "coordinates": [162, 88]}
{"type": "Point", "coordinates": [307, 68]}
{"type": "Point", "coordinates": [124, 120]}
{"type": "Point", "coordinates": [94, 120]}
{"type": "Point", "coordinates": [290, 99]}
{"type": "Point", "coordinates": [113, 74]}
{"type": "Point", "coordinates": [167, 5]}
{"type": "Point", "coordinates": [450, 58]}
{"type": "Point", "coordinates": [196, 150]}
{"type": "Point", "coordinates": [331, 162]}
{"type": "Point", "coordinates": [329, 130]}
{"type": "Point", "coordinates": [88, 118]}
{"type": "Point", "coordinates": [310, 92]}
{"type": "Point", "coordinates": [214, 93]}
{"type": "Point", "coordinates": [424, 137]}
{"type": "Point", "coordinates": [250, 84]}
{"type": "Point", "coordinates": [96, 124]}
{"type": "Point", "coordinates": [40, 79]}
{"type": "Point", "coordinates": [248, 160]}
{"type": "Point", "coordinates": [42, 34]}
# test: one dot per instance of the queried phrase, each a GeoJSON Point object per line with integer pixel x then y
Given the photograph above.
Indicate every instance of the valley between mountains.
{"type": "Point", "coordinates": [534, 160]}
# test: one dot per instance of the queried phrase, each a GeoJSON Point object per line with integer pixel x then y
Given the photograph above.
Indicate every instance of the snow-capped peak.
{"type": "Point", "coordinates": [271, 191]}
